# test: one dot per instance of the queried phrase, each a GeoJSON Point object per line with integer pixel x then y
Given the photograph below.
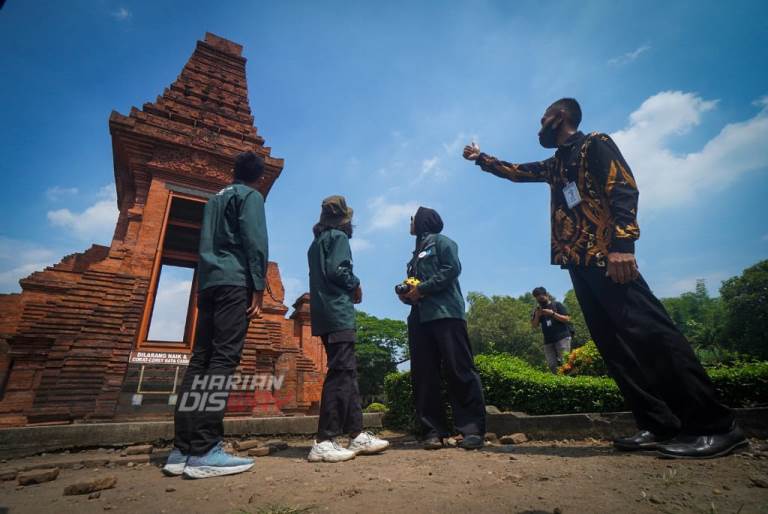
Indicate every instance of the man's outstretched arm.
{"type": "Point", "coordinates": [529, 172]}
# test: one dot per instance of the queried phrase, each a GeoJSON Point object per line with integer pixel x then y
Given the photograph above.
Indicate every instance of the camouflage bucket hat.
{"type": "Point", "coordinates": [334, 212]}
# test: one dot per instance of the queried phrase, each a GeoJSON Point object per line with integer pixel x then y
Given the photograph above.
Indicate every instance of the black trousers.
{"type": "Point", "coordinates": [222, 323]}
{"type": "Point", "coordinates": [340, 408]}
{"type": "Point", "coordinates": [443, 345]}
{"type": "Point", "coordinates": [653, 364]}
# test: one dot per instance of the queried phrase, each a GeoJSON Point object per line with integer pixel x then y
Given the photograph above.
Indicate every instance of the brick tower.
{"type": "Point", "coordinates": [90, 338]}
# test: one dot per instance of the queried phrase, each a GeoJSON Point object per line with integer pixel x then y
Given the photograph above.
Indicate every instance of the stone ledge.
{"type": "Point", "coordinates": [605, 425]}
{"type": "Point", "coordinates": [25, 441]}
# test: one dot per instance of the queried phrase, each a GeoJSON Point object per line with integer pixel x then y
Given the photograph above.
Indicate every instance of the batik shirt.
{"type": "Point", "coordinates": [605, 220]}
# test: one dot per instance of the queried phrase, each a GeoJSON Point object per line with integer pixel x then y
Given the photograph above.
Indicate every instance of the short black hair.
{"type": "Point", "coordinates": [539, 290]}
{"type": "Point", "coordinates": [248, 166]}
{"type": "Point", "coordinates": [571, 107]}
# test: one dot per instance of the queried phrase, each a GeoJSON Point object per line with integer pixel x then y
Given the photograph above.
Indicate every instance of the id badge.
{"type": "Point", "coordinates": [572, 196]}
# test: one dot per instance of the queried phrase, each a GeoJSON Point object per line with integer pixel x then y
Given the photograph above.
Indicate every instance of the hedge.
{"type": "Point", "coordinates": [511, 384]}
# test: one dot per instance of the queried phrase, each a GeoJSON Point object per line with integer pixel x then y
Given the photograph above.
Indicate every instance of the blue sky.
{"type": "Point", "coordinates": [374, 100]}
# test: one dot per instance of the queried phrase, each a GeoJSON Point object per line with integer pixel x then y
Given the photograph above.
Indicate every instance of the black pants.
{"type": "Point", "coordinates": [340, 408]}
{"type": "Point", "coordinates": [654, 365]}
{"type": "Point", "coordinates": [222, 323]}
{"type": "Point", "coordinates": [444, 345]}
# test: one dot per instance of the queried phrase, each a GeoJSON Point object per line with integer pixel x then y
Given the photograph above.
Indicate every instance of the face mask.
{"type": "Point", "coordinates": [543, 303]}
{"type": "Point", "coordinates": [548, 134]}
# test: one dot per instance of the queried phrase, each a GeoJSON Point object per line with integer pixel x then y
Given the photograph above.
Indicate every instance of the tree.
{"type": "Point", "coordinates": [581, 335]}
{"type": "Point", "coordinates": [503, 324]}
{"type": "Point", "coordinates": [382, 344]}
{"type": "Point", "coordinates": [746, 303]}
{"type": "Point", "coordinates": [698, 316]}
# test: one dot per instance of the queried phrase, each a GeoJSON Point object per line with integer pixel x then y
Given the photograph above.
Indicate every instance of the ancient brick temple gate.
{"type": "Point", "coordinates": [79, 342]}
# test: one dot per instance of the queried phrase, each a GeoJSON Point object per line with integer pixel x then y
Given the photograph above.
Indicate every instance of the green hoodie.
{"type": "Point", "coordinates": [233, 240]}
{"type": "Point", "coordinates": [436, 264]}
{"type": "Point", "coordinates": [331, 283]}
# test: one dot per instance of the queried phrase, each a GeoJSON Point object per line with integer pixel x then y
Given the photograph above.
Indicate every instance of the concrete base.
{"type": "Point", "coordinates": [606, 425]}
{"type": "Point", "coordinates": [24, 441]}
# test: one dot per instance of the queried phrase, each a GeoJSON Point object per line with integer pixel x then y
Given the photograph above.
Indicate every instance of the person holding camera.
{"type": "Point", "coordinates": [594, 200]}
{"type": "Point", "coordinates": [438, 339]}
{"type": "Point", "coordinates": [333, 292]}
{"type": "Point", "coordinates": [555, 325]}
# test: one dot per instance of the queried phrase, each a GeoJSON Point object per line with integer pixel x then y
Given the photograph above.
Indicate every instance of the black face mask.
{"type": "Point", "coordinates": [548, 134]}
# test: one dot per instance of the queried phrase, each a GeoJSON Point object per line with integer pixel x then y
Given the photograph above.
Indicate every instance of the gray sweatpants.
{"type": "Point", "coordinates": [554, 353]}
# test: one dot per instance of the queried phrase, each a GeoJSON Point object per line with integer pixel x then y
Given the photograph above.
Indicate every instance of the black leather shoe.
{"type": "Point", "coordinates": [471, 442]}
{"type": "Point", "coordinates": [703, 446]}
{"type": "Point", "coordinates": [644, 440]}
{"type": "Point", "coordinates": [433, 443]}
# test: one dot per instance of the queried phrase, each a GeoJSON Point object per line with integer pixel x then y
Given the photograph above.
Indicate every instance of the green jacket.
{"type": "Point", "coordinates": [436, 264]}
{"type": "Point", "coordinates": [234, 250]}
{"type": "Point", "coordinates": [331, 283]}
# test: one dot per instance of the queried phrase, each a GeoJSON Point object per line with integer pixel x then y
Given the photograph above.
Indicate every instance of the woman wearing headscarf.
{"type": "Point", "coordinates": [333, 290]}
{"type": "Point", "coordinates": [437, 337]}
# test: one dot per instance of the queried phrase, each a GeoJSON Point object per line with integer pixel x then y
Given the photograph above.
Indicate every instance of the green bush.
{"type": "Point", "coordinates": [584, 360]}
{"type": "Point", "coordinates": [510, 383]}
{"type": "Point", "coordinates": [376, 407]}
{"type": "Point", "coordinates": [742, 386]}
{"type": "Point", "coordinates": [401, 413]}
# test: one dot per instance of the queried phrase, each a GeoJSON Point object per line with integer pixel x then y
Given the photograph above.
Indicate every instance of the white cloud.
{"type": "Point", "coordinates": [95, 223]}
{"type": "Point", "coordinates": [430, 168]}
{"type": "Point", "coordinates": [386, 215]}
{"type": "Point", "coordinates": [427, 165]}
{"type": "Point", "coordinates": [629, 56]}
{"type": "Point", "coordinates": [169, 314]}
{"type": "Point", "coordinates": [455, 147]}
{"type": "Point", "coordinates": [56, 193]}
{"type": "Point", "coordinates": [122, 14]}
{"type": "Point", "coordinates": [18, 259]}
{"type": "Point", "coordinates": [679, 286]}
{"type": "Point", "coordinates": [667, 179]}
{"type": "Point", "coordinates": [360, 245]}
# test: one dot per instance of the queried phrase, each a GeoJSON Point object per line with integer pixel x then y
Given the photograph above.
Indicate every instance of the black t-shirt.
{"type": "Point", "coordinates": [554, 330]}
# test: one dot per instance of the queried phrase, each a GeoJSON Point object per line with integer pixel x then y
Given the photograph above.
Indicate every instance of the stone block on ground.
{"type": "Point", "coordinates": [139, 449]}
{"type": "Point", "coordinates": [517, 438]}
{"type": "Point", "coordinates": [90, 486]}
{"type": "Point", "coordinates": [491, 437]}
{"type": "Point", "coordinates": [37, 476]}
{"type": "Point", "coordinates": [246, 445]}
{"type": "Point", "coordinates": [492, 409]}
{"type": "Point", "coordinates": [261, 451]}
{"type": "Point", "coordinates": [8, 475]}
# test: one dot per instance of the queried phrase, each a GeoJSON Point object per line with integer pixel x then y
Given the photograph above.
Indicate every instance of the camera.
{"type": "Point", "coordinates": [406, 285]}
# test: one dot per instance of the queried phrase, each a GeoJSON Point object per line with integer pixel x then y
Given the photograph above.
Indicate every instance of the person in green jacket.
{"type": "Point", "coordinates": [334, 290]}
{"type": "Point", "coordinates": [437, 337]}
{"type": "Point", "coordinates": [231, 274]}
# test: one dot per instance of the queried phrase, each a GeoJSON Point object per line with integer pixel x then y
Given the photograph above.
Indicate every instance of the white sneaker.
{"type": "Point", "coordinates": [367, 444]}
{"type": "Point", "coordinates": [329, 451]}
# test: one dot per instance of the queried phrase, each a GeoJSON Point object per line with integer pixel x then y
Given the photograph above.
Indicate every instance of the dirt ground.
{"type": "Point", "coordinates": [534, 477]}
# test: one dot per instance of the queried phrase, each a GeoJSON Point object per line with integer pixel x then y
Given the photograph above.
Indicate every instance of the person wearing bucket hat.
{"type": "Point", "coordinates": [438, 339]}
{"type": "Point", "coordinates": [334, 290]}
